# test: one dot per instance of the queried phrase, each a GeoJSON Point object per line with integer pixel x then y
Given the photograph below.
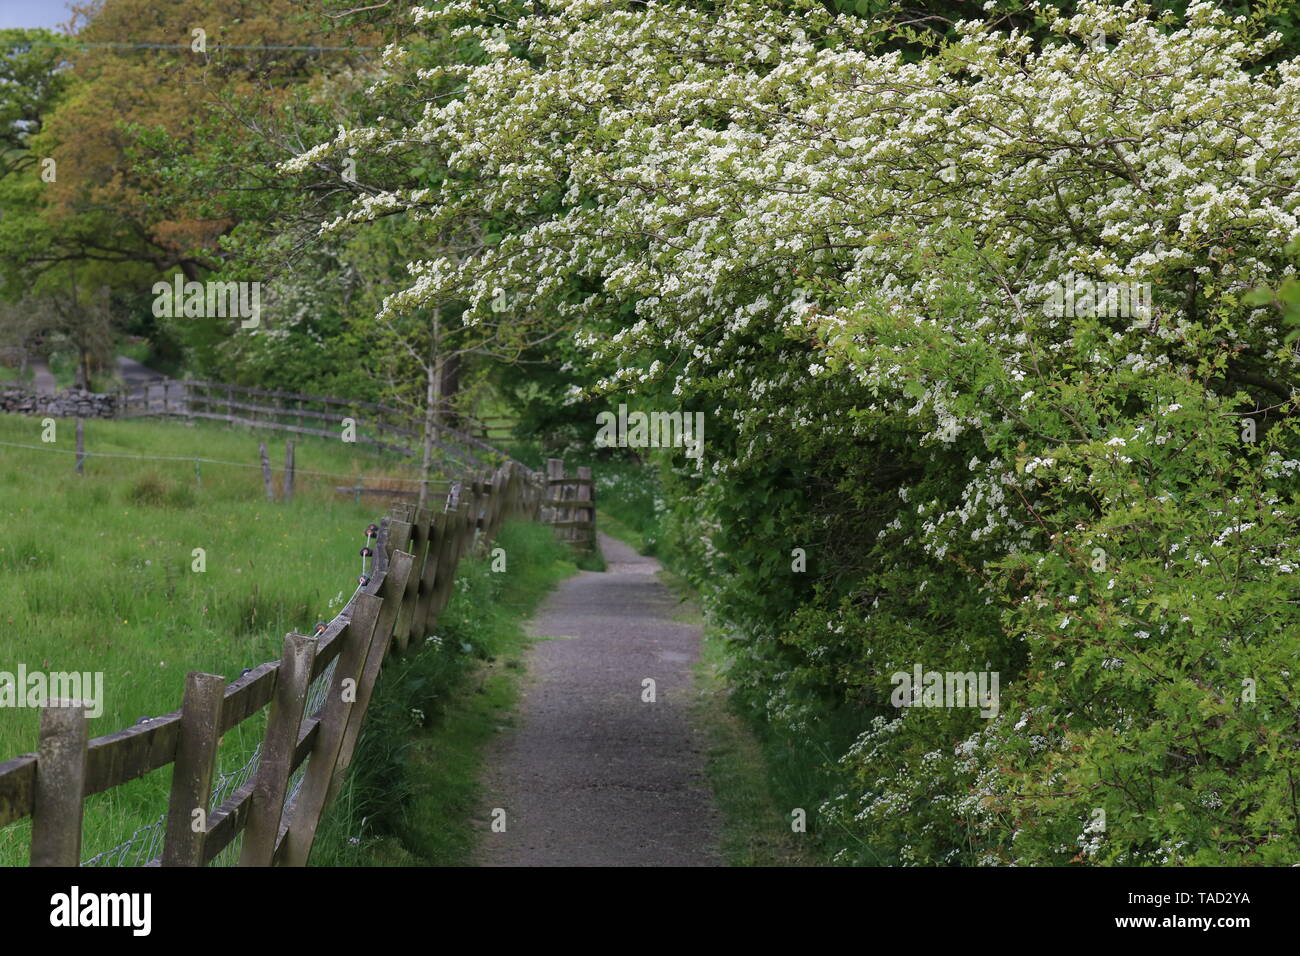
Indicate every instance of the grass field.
{"type": "Point", "coordinates": [97, 573]}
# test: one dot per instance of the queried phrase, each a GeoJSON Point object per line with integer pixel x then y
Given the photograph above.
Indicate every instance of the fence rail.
{"type": "Point", "coordinates": [310, 738]}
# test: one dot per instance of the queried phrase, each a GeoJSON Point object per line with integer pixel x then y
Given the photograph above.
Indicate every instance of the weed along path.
{"type": "Point", "coordinates": [594, 773]}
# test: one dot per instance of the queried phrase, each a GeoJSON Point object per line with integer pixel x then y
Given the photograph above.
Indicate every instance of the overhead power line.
{"type": "Point", "coordinates": [137, 45]}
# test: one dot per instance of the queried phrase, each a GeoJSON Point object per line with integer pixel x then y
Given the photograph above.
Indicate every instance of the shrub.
{"type": "Point", "coordinates": [846, 260]}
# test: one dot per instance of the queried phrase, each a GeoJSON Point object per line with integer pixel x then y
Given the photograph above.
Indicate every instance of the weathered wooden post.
{"type": "Point", "coordinates": [266, 471]}
{"type": "Point", "coordinates": [402, 537]}
{"type": "Point", "coordinates": [394, 586]}
{"type": "Point", "coordinates": [358, 635]}
{"type": "Point", "coordinates": [435, 533]}
{"type": "Point", "coordinates": [276, 765]}
{"type": "Point", "coordinates": [59, 800]}
{"type": "Point", "coordinates": [586, 493]}
{"type": "Point", "coordinates": [81, 446]}
{"type": "Point", "coordinates": [196, 761]}
{"type": "Point", "coordinates": [288, 470]}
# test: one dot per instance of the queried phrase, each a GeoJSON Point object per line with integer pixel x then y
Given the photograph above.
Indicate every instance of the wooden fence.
{"type": "Point", "coordinates": [416, 553]}
{"type": "Point", "coordinates": [570, 505]}
{"type": "Point", "coordinates": [381, 426]}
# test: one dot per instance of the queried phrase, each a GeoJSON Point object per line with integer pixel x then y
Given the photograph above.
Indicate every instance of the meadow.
{"type": "Point", "coordinates": [98, 573]}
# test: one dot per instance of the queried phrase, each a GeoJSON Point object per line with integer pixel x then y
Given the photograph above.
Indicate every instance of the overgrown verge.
{"type": "Point", "coordinates": [762, 825]}
{"type": "Point", "coordinates": [411, 792]}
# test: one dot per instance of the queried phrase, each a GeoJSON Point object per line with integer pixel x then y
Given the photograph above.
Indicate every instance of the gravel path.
{"type": "Point", "coordinates": [42, 377]}
{"type": "Point", "coordinates": [592, 775]}
{"type": "Point", "coordinates": [135, 373]}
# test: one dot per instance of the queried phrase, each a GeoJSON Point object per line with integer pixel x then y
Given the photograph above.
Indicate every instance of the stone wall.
{"type": "Point", "coordinates": [69, 403]}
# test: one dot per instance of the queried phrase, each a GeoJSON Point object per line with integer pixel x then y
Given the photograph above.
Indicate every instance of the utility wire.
{"type": "Point", "coordinates": [25, 45]}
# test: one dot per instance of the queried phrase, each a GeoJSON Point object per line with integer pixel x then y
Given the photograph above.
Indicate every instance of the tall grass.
{"type": "Point", "coordinates": [97, 574]}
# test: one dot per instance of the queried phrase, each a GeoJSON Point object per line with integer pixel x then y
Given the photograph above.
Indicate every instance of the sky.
{"type": "Point", "coordinates": [34, 13]}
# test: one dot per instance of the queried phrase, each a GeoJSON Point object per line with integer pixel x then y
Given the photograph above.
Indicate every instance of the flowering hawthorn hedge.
{"type": "Point", "coordinates": [842, 257]}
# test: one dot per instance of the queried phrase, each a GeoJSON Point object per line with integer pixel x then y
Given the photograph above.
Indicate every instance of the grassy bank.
{"type": "Point", "coordinates": [411, 797]}
{"type": "Point", "coordinates": [756, 817]}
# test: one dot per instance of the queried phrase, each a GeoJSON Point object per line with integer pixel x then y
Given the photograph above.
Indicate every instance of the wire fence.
{"type": "Point", "coordinates": [144, 846]}
{"type": "Point", "coordinates": [200, 460]}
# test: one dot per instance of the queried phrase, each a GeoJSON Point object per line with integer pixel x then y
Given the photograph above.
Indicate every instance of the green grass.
{"type": "Point", "coordinates": [96, 574]}
{"type": "Point", "coordinates": [414, 790]}
{"type": "Point", "coordinates": [140, 351]}
{"type": "Point", "coordinates": [756, 826]}
{"type": "Point", "coordinates": [63, 366]}
{"type": "Point", "coordinates": [615, 528]}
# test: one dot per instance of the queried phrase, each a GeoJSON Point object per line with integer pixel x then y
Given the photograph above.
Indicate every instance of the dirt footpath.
{"type": "Point", "coordinates": [591, 775]}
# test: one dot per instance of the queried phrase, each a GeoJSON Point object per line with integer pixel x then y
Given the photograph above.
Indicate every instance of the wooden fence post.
{"type": "Point", "coordinates": [357, 636]}
{"type": "Point", "coordinates": [422, 623]}
{"type": "Point", "coordinates": [475, 511]}
{"type": "Point", "coordinates": [425, 557]}
{"type": "Point", "coordinates": [59, 800]}
{"type": "Point", "coordinates": [288, 470]}
{"type": "Point", "coordinates": [586, 493]}
{"type": "Point", "coordinates": [402, 537]}
{"type": "Point", "coordinates": [266, 471]}
{"type": "Point", "coordinates": [460, 529]}
{"type": "Point", "coordinates": [444, 571]}
{"type": "Point", "coordinates": [81, 446]}
{"type": "Point", "coordinates": [276, 766]}
{"type": "Point", "coordinates": [394, 585]}
{"type": "Point", "coordinates": [551, 491]}
{"type": "Point", "coordinates": [196, 760]}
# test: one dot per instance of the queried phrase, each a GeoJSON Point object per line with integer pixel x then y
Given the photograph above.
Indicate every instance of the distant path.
{"type": "Point", "coordinates": [592, 776]}
{"type": "Point", "coordinates": [143, 383]}
{"type": "Point", "coordinates": [133, 373]}
{"type": "Point", "coordinates": [42, 377]}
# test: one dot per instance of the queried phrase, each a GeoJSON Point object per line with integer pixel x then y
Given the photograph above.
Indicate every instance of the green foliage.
{"type": "Point", "coordinates": [845, 258]}
{"type": "Point", "coordinates": [30, 84]}
{"type": "Point", "coordinates": [1285, 298]}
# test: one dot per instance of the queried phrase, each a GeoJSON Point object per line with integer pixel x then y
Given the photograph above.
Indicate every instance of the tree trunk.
{"type": "Point", "coordinates": [450, 386]}
{"type": "Point", "coordinates": [433, 372]}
